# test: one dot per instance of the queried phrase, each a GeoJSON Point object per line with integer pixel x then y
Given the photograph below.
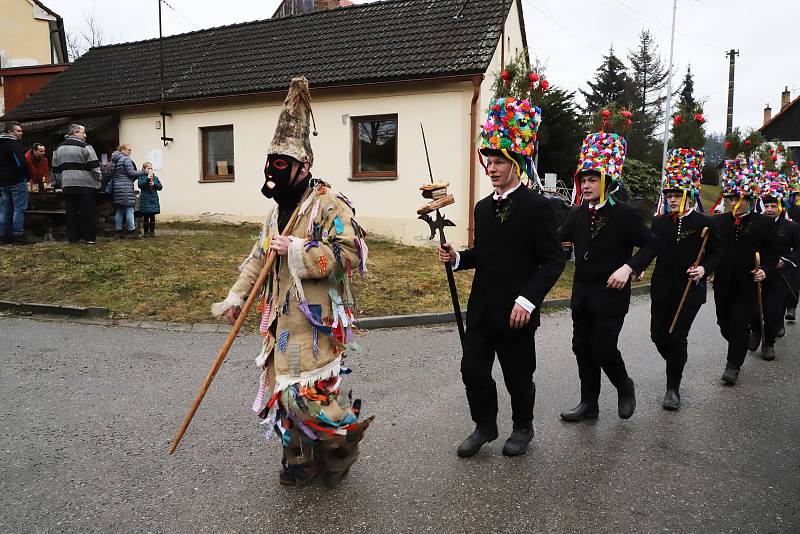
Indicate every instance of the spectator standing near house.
{"type": "Point", "coordinates": [76, 168]}
{"type": "Point", "coordinates": [149, 206]}
{"type": "Point", "coordinates": [123, 175]}
{"type": "Point", "coordinates": [38, 166]}
{"type": "Point", "coordinates": [13, 185]}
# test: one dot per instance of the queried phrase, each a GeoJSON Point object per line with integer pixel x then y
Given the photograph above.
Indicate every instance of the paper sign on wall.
{"type": "Point", "coordinates": [156, 157]}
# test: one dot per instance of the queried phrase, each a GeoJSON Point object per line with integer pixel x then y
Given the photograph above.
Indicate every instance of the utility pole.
{"type": "Point", "coordinates": [732, 55]}
{"type": "Point", "coordinates": [667, 108]}
{"type": "Point", "coordinates": [164, 113]}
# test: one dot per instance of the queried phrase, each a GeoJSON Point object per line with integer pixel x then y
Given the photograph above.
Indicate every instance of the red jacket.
{"type": "Point", "coordinates": [37, 169]}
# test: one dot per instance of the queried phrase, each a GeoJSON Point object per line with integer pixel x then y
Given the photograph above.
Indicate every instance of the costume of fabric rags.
{"type": "Point", "coordinates": [306, 307]}
{"type": "Point", "coordinates": [603, 235]}
{"type": "Point", "coordinates": [679, 239]}
{"type": "Point", "coordinates": [517, 260]}
{"type": "Point", "coordinates": [741, 236]}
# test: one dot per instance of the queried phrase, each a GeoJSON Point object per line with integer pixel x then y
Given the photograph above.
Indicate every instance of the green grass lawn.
{"type": "Point", "coordinates": [177, 275]}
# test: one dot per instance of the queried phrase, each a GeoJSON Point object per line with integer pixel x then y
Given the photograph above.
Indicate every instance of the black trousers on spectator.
{"type": "Point", "coordinates": [672, 347]}
{"type": "Point", "coordinates": [594, 341]}
{"type": "Point", "coordinates": [516, 351]}
{"type": "Point", "coordinates": [735, 307]}
{"type": "Point", "coordinates": [81, 207]}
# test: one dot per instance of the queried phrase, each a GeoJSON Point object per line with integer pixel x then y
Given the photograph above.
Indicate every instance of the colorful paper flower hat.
{"type": "Point", "coordinates": [684, 173]}
{"type": "Point", "coordinates": [742, 177]}
{"type": "Point", "coordinates": [793, 179]}
{"type": "Point", "coordinates": [510, 128]}
{"type": "Point", "coordinates": [604, 152]}
{"type": "Point", "coordinates": [775, 187]}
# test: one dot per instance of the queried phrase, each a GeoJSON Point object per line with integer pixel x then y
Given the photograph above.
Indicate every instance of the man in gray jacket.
{"type": "Point", "coordinates": [76, 167]}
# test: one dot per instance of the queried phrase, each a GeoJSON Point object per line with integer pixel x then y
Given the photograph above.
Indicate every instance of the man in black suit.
{"type": "Point", "coordinates": [603, 234]}
{"type": "Point", "coordinates": [742, 233]}
{"type": "Point", "coordinates": [517, 260]}
{"type": "Point", "coordinates": [793, 212]}
{"type": "Point", "coordinates": [679, 237]}
{"type": "Point", "coordinates": [777, 286]}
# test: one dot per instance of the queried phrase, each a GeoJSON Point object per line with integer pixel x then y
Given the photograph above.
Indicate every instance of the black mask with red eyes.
{"type": "Point", "coordinates": [278, 178]}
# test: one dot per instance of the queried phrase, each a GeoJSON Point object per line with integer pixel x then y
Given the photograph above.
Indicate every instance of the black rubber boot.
{"type": "Point", "coordinates": [626, 403]}
{"type": "Point", "coordinates": [582, 412]}
{"type": "Point", "coordinates": [791, 314]}
{"type": "Point", "coordinates": [517, 443]}
{"type": "Point", "coordinates": [672, 399]}
{"type": "Point", "coordinates": [730, 376]}
{"type": "Point", "coordinates": [473, 443]}
{"type": "Point", "coordinates": [768, 352]}
{"type": "Point", "coordinates": [754, 342]}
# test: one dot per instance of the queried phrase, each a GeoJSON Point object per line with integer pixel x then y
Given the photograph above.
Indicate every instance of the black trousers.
{"type": "Point", "coordinates": [775, 294]}
{"type": "Point", "coordinates": [672, 347]}
{"type": "Point", "coordinates": [516, 351]}
{"type": "Point", "coordinates": [149, 222]}
{"type": "Point", "coordinates": [594, 341]}
{"type": "Point", "coordinates": [81, 213]}
{"type": "Point", "coordinates": [735, 305]}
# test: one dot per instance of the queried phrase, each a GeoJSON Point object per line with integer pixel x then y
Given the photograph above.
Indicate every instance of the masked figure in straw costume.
{"type": "Point", "coordinates": [679, 234]}
{"type": "Point", "coordinates": [777, 286]}
{"type": "Point", "coordinates": [517, 260]}
{"type": "Point", "coordinates": [306, 306]}
{"type": "Point", "coordinates": [603, 233]}
{"type": "Point", "coordinates": [742, 233]}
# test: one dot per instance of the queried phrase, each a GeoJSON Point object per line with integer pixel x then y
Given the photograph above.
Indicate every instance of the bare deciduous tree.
{"type": "Point", "coordinates": [91, 35]}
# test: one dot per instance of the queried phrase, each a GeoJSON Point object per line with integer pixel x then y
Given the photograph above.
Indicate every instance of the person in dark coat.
{"type": "Point", "coordinates": [13, 185]}
{"type": "Point", "coordinates": [149, 206]}
{"type": "Point", "coordinates": [777, 286]}
{"type": "Point", "coordinates": [742, 233]}
{"type": "Point", "coordinates": [517, 260]}
{"type": "Point", "coordinates": [793, 213]}
{"type": "Point", "coordinates": [603, 233]}
{"type": "Point", "coordinates": [679, 234]}
{"type": "Point", "coordinates": [123, 175]}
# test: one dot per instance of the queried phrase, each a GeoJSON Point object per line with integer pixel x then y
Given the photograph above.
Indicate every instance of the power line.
{"type": "Point", "coordinates": [178, 12]}
{"type": "Point", "coordinates": [693, 38]}
{"type": "Point", "coordinates": [554, 21]}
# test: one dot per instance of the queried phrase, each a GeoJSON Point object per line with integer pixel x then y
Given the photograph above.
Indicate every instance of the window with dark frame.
{"type": "Point", "coordinates": [217, 153]}
{"type": "Point", "coordinates": [375, 147]}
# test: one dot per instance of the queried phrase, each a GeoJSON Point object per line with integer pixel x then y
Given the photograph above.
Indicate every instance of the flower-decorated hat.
{"type": "Point", "coordinates": [684, 173]}
{"type": "Point", "coordinates": [511, 126]}
{"type": "Point", "coordinates": [742, 177]}
{"type": "Point", "coordinates": [775, 187]}
{"type": "Point", "coordinates": [604, 152]}
{"type": "Point", "coordinates": [793, 179]}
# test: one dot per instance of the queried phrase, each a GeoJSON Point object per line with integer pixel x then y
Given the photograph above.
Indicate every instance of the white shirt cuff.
{"type": "Point", "coordinates": [458, 260]}
{"type": "Point", "coordinates": [525, 303]}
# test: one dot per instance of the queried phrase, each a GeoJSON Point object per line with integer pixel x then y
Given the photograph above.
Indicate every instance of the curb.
{"type": "Point", "coordinates": [55, 309]}
{"type": "Point", "coordinates": [367, 323]}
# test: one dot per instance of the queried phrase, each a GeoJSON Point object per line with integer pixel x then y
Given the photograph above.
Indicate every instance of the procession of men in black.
{"type": "Point", "coordinates": [605, 266]}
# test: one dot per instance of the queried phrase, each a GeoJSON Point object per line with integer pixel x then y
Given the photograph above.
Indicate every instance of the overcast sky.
{"type": "Point", "coordinates": [569, 36]}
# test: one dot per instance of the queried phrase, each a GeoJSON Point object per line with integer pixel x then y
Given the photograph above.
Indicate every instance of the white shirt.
{"type": "Point", "coordinates": [522, 301]}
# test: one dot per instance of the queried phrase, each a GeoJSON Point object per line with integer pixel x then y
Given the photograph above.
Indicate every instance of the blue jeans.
{"type": "Point", "coordinates": [126, 213]}
{"type": "Point", "coordinates": [13, 197]}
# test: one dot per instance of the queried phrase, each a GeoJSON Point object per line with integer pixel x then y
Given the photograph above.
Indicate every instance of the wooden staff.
{"type": "Point", "coordinates": [262, 278]}
{"type": "Point", "coordinates": [700, 255]}
{"type": "Point", "coordinates": [760, 299]}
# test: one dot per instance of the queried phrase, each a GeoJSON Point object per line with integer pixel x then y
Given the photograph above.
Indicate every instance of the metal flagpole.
{"type": "Point", "coordinates": [668, 110]}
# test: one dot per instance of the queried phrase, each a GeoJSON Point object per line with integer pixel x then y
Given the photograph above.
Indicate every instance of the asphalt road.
{"type": "Point", "coordinates": [88, 412]}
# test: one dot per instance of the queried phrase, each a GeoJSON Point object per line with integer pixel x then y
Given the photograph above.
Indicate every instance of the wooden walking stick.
{"type": "Point", "coordinates": [760, 298]}
{"type": "Point", "coordinates": [700, 255]}
{"type": "Point", "coordinates": [262, 277]}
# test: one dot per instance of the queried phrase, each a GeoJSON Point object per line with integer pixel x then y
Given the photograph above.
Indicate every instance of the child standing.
{"type": "Point", "coordinates": [149, 207]}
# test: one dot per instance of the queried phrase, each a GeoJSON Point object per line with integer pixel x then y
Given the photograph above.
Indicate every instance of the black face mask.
{"type": "Point", "coordinates": [278, 184]}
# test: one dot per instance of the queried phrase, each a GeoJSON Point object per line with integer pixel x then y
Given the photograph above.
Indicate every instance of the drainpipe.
{"type": "Point", "coordinates": [473, 134]}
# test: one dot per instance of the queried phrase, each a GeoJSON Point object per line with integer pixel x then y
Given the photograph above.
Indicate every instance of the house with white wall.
{"type": "Point", "coordinates": [203, 105]}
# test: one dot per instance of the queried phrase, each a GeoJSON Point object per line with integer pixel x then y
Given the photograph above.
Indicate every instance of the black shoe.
{"type": "Point", "coordinates": [781, 331]}
{"type": "Point", "coordinates": [22, 240]}
{"type": "Point", "coordinates": [517, 443]}
{"type": "Point", "coordinates": [730, 376]}
{"type": "Point", "coordinates": [754, 342]}
{"type": "Point", "coordinates": [627, 400]}
{"type": "Point", "coordinates": [581, 412]}
{"type": "Point", "coordinates": [791, 314]}
{"type": "Point", "coordinates": [474, 442]}
{"type": "Point", "coordinates": [768, 352]}
{"type": "Point", "coordinates": [672, 400]}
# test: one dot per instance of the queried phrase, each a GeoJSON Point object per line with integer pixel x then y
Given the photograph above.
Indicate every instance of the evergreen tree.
{"type": "Point", "coordinates": [560, 134]}
{"type": "Point", "coordinates": [688, 130]}
{"type": "Point", "coordinates": [611, 85]}
{"type": "Point", "coordinates": [687, 90]}
{"type": "Point", "coordinates": [647, 83]}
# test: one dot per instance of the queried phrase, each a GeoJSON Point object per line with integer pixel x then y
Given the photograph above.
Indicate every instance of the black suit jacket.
{"type": "Point", "coordinates": [599, 252]}
{"type": "Point", "coordinates": [676, 253]}
{"type": "Point", "coordinates": [757, 233]}
{"type": "Point", "coordinates": [518, 257]}
{"type": "Point", "coordinates": [787, 239]}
